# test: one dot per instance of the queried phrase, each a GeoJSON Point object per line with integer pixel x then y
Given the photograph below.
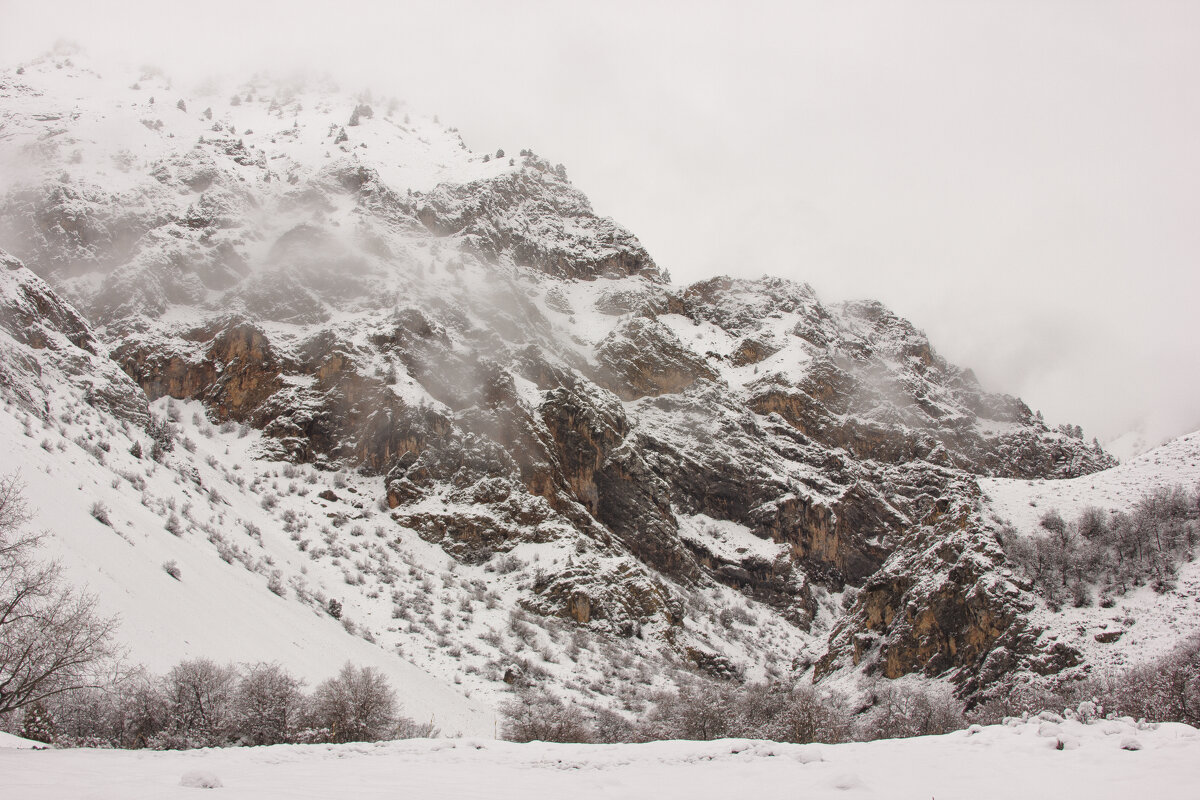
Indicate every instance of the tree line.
{"type": "Point", "coordinates": [201, 703]}
{"type": "Point", "coordinates": [707, 709]}
{"type": "Point", "coordinates": [1164, 690]}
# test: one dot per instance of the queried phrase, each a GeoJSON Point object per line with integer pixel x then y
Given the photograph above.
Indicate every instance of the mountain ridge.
{"type": "Point", "coordinates": [508, 380]}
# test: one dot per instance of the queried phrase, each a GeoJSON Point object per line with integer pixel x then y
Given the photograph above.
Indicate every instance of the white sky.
{"type": "Point", "coordinates": [1021, 179]}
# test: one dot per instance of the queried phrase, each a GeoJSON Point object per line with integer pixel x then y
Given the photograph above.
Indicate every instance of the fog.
{"type": "Point", "coordinates": [1019, 179]}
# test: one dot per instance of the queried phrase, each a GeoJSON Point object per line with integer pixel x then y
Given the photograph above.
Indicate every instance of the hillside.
{"type": "Point", "coordinates": [1145, 623]}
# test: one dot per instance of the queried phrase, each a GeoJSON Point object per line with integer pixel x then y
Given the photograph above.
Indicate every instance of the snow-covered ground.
{"type": "Point", "coordinates": [1105, 759]}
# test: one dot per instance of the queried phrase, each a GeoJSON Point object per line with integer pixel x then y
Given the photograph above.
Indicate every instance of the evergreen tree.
{"type": "Point", "coordinates": [37, 724]}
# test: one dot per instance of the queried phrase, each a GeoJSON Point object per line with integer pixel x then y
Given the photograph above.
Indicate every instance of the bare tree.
{"type": "Point", "coordinates": [51, 638]}
{"type": "Point", "coordinates": [200, 701]}
{"type": "Point", "coordinates": [268, 704]}
{"type": "Point", "coordinates": [356, 706]}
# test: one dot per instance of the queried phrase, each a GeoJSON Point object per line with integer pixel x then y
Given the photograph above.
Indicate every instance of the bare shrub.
{"type": "Point", "coordinates": [99, 512]}
{"type": "Point", "coordinates": [268, 705]}
{"type": "Point", "coordinates": [537, 715]}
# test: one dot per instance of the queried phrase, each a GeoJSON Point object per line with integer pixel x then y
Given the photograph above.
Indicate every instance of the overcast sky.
{"type": "Point", "coordinates": [1022, 180]}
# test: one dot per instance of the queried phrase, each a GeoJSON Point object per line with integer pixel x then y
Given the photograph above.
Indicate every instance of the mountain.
{"type": "Point", "coordinates": [436, 387]}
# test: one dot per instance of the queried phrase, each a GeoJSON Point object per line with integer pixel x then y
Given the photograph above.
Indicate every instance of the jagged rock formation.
{"type": "Point", "coordinates": [945, 604]}
{"type": "Point", "coordinates": [46, 344]}
{"type": "Point", "coordinates": [516, 370]}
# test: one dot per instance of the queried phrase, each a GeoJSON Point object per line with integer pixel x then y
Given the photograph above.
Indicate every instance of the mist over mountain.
{"type": "Point", "coordinates": [1016, 182]}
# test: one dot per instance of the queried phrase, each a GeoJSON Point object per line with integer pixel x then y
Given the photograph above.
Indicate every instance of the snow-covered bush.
{"type": "Point", "coordinates": [268, 705]}
{"type": "Point", "coordinates": [200, 704]}
{"type": "Point", "coordinates": [99, 512]}
{"type": "Point", "coordinates": [162, 437]}
{"type": "Point", "coordinates": [537, 715]}
{"type": "Point", "coordinates": [901, 711]}
{"type": "Point", "coordinates": [36, 724]}
{"type": "Point", "coordinates": [356, 706]}
{"type": "Point", "coordinates": [799, 714]}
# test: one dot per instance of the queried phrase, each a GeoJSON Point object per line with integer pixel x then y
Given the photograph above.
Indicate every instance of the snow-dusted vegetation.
{"type": "Point", "coordinates": [200, 703]}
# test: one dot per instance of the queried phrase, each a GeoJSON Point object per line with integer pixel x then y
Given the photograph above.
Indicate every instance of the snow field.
{"type": "Point", "coordinates": [1022, 759]}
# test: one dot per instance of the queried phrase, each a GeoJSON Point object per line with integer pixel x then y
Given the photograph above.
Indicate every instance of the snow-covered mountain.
{"type": "Point", "coordinates": [435, 387]}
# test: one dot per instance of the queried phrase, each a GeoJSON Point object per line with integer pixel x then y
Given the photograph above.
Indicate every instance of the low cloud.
{"type": "Point", "coordinates": [1018, 180]}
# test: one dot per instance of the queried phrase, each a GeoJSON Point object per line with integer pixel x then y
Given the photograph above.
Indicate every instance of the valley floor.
{"type": "Point", "coordinates": [1105, 759]}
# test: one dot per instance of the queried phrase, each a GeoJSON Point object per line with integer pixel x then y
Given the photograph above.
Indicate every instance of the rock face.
{"type": "Point", "coordinates": [944, 604]}
{"type": "Point", "coordinates": [46, 344]}
{"type": "Point", "coordinates": [516, 370]}
{"type": "Point", "coordinates": [536, 219]}
{"type": "Point", "coordinates": [642, 357]}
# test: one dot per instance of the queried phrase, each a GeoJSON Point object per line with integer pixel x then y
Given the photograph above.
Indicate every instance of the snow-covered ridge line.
{"type": "Point", "coordinates": [1023, 502]}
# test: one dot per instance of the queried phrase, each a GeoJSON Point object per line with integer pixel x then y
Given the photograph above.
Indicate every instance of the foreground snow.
{"type": "Point", "coordinates": [1020, 760]}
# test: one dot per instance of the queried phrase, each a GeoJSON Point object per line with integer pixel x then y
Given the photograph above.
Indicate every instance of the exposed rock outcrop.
{"type": "Point", "coordinates": [643, 357]}
{"type": "Point", "coordinates": [535, 218]}
{"type": "Point", "coordinates": [945, 604]}
{"type": "Point", "coordinates": [40, 333]}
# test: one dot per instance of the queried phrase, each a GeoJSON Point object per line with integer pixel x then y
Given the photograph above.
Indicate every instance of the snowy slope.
{"type": "Point", "coordinates": [235, 525]}
{"type": "Point", "coordinates": [216, 609]}
{"type": "Point", "coordinates": [1150, 624]}
{"type": "Point", "coordinates": [433, 386]}
{"type": "Point", "coordinates": [1022, 503]}
{"type": "Point", "coordinates": [1101, 760]}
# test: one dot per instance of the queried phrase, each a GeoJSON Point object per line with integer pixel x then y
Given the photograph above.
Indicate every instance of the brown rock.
{"type": "Point", "coordinates": [751, 351]}
{"type": "Point", "coordinates": [644, 357]}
